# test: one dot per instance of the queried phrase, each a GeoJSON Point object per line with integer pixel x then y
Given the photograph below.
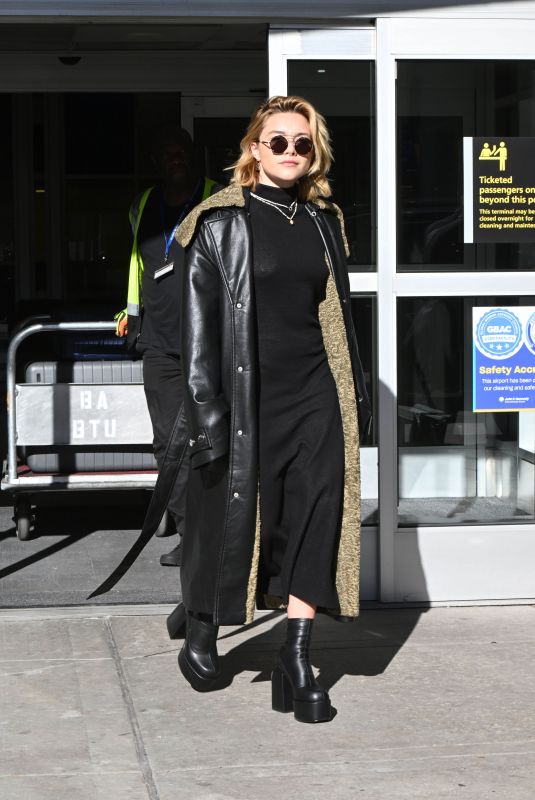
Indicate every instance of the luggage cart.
{"type": "Point", "coordinates": [75, 415]}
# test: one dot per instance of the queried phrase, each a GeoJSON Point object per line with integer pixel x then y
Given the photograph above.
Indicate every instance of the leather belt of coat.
{"type": "Point", "coordinates": [174, 468]}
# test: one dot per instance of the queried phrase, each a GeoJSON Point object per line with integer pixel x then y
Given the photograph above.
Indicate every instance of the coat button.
{"type": "Point", "coordinates": [240, 369]}
{"type": "Point", "coordinates": [236, 494]}
{"type": "Point", "coordinates": [238, 305]}
{"type": "Point", "coordinates": [240, 433]}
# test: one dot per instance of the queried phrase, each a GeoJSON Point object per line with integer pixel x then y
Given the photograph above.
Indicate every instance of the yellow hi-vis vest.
{"type": "Point", "coordinates": [135, 275]}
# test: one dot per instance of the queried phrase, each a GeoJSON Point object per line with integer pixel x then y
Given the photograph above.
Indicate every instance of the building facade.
{"type": "Point", "coordinates": [448, 495]}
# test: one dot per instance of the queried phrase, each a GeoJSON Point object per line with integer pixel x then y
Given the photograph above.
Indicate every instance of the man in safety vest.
{"type": "Point", "coordinates": [151, 321]}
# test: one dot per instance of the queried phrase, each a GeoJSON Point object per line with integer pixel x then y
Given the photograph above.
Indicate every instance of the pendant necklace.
{"type": "Point", "coordinates": [292, 208]}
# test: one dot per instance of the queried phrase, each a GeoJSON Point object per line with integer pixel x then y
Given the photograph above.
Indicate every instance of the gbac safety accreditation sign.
{"type": "Point", "coordinates": [504, 358]}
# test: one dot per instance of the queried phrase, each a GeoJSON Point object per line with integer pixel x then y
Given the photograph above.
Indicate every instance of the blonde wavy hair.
{"type": "Point", "coordinates": [314, 183]}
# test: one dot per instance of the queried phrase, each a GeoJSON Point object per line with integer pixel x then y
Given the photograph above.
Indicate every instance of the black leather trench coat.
{"type": "Point", "coordinates": [222, 531]}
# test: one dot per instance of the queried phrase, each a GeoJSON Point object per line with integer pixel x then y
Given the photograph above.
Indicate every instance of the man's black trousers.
{"type": "Point", "coordinates": [162, 378]}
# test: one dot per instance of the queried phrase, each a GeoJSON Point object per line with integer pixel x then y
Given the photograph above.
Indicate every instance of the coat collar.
{"type": "Point", "coordinates": [230, 196]}
{"type": "Point", "coordinates": [234, 196]}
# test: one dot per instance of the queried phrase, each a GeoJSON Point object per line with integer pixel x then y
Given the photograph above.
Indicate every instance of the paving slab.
{"type": "Point", "coordinates": [111, 786]}
{"type": "Point", "coordinates": [431, 705]}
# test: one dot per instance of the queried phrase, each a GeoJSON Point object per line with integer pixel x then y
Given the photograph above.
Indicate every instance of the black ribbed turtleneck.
{"type": "Point", "coordinates": [277, 194]}
{"type": "Point", "coordinates": [290, 275]}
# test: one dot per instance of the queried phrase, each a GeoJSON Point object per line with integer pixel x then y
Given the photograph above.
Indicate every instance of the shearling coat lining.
{"type": "Point", "coordinates": [233, 196]}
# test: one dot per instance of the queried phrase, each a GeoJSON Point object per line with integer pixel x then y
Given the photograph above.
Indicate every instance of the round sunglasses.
{"type": "Point", "coordinates": [279, 144]}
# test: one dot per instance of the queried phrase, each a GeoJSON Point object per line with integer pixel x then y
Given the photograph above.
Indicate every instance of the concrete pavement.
{"type": "Point", "coordinates": [431, 704]}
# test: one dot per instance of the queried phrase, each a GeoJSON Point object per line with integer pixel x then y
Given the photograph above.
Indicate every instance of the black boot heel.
{"type": "Point", "coordinates": [293, 684]}
{"type": "Point", "coordinates": [281, 692]}
{"type": "Point", "coordinates": [176, 622]}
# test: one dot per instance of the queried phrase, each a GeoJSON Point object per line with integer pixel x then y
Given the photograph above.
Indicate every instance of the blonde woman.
{"type": "Point", "coordinates": [272, 375]}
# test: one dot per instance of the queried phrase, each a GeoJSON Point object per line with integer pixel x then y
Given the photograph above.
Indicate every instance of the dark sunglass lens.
{"type": "Point", "coordinates": [303, 146]}
{"type": "Point", "coordinates": [278, 145]}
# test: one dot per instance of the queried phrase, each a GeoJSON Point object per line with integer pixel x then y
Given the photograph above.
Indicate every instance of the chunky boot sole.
{"type": "Point", "coordinates": [282, 700]}
{"type": "Point", "coordinates": [197, 682]}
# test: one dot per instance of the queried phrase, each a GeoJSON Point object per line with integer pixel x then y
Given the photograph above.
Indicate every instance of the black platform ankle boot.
{"type": "Point", "coordinates": [198, 659]}
{"type": "Point", "coordinates": [293, 685]}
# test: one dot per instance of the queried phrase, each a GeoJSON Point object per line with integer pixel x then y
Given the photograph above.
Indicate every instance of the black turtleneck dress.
{"type": "Point", "coordinates": [301, 446]}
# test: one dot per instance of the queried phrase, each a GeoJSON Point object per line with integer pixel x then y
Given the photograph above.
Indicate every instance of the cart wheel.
{"type": "Point", "coordinates": [23, 519]}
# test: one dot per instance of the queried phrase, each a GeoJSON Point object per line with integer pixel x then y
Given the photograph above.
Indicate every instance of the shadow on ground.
{"type": "Point", "coordinates": [366, 646]}
{"type": "Point", "coordinates": [78, 541]}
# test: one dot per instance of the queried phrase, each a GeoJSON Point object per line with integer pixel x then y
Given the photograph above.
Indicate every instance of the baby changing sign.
{"type": "Point", "coordinates": [504, 358]}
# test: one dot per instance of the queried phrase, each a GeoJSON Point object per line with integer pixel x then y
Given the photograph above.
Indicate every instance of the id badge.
{"type": "Point", "coordinates": [165, 270]}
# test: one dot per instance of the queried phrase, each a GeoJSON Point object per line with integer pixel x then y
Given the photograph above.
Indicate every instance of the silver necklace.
{"type": "Point", "coordinates": [292, 208]}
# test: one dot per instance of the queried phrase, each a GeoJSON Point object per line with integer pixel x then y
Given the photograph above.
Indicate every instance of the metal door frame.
{"type": "Point", "coordinates": [421, 564]}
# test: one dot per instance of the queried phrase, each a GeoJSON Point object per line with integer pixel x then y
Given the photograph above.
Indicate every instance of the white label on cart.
{"type": "Point", "coordinates": [95, 429]}
{"type": "Point", "coordinates": [101, 401]}
{"type": "Point", "coordinates": [63, 414]}
{"type": "Point", "coordinates": [92, 399]}
{"type": "Point", "coordinates": [78, 429]}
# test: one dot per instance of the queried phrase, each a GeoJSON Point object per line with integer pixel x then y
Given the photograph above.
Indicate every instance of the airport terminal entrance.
{"type": "Point", "coordinates": [79, 106]}
{"type": "Point", "coordinates": [448, 495]}
{"type": "Point", "coordinates": [79, 158]}
{"type": "Point", "coordinates": [76, 139]}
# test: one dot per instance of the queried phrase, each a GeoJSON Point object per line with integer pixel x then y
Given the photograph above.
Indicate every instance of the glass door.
{"type": "Point", "coordinates": [456, 488]}
{"type": "Point", "coordinates": [335, 70]}
{"type": "Point", "coordinates": [451, 505]}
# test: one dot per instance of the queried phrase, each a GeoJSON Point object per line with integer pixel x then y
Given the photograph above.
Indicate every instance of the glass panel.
{"type": "Point", "coordinates": [7, 218]}
{"type": "Point", "coordinates": [99, 240]}
{"type": "Point", "coordinates": [99, 134]}
{"type": "Point", "coordinates": [7, 246]}
{"type": "Point", "coordinates": [217, 139]}
{"type": "Point", "coordinates": [439, 102]}
{"type": "Point", "coordinates": [42, 234]}
{"type": "Point", "coordinates": [107, 161]}
{"type": "Point", "coordinates": [364, 311]}
{"type": "Point", "coordinates": [455, 466]}
{"type": "Point", "coordinates": [343, 91]}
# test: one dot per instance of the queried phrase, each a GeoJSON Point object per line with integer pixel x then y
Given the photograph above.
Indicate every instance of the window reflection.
{"type": "Point", "coordinates": [107, 161]}
{"type": "Point", "coordinates": [455, 466]}
{"type": "Point", "coordinates": [343, 92]}
{"type": "Point", "coordinates": [439, 102]}
{"type": "Point", "coordinates": [7, 219]}
{"type": "Point", "coordinates": [364, 311]}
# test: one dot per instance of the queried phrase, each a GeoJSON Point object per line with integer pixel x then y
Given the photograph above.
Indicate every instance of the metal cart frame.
{"type": "Point", "coordinates": [22, 485]}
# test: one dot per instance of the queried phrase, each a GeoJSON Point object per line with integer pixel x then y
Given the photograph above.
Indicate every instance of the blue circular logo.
{"type": "Point", "coordinates": [499, 333]}
{"type": "Point", "coordinates": [529, 334]}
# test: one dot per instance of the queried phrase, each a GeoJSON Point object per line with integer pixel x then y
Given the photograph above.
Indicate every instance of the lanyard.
{"type": "Point", "coordinates": [169, 240]}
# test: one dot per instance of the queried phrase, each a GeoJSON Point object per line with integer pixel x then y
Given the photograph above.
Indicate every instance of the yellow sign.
{"type": "Point", "coordinates": [499, 189]}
